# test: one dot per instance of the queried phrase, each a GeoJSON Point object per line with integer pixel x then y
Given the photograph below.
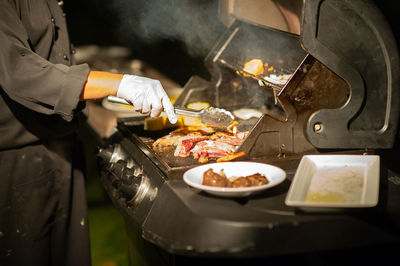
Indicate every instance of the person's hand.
{"type": "Point", "coordinates": [147, 95]}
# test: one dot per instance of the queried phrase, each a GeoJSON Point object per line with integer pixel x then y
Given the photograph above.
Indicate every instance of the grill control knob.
{"type": "Point", "coordinates": [129, 191]}
{"type": "Point", "coordinates": [104, 154]}
{"type": "Point", "coordinates": [128, 177]}
{"type": "Point", "coordinates": [124, 179]}
{"type": "Point", "coordinates": [112, 154]}
{"type": "Point", "coordinates": [125, 175]}
{"type": "Point", "coordinates": [116, 170]}
{"type": "Point", "coordinates": [145, 189]}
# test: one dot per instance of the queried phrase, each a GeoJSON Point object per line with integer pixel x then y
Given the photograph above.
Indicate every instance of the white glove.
{"type": "Point", "coordinates": [146, 95]}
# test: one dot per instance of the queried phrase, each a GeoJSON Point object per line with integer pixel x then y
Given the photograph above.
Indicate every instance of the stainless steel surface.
{"type": "Point", "coordinates": [211, 116]}
{"type": "Point", "coordinates": [145, 190]}
{"type": "Point", "coordinates": [119, 100]}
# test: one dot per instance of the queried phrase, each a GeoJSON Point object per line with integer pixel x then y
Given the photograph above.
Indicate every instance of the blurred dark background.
{"type": "Point", "coordinates": [171, 35]}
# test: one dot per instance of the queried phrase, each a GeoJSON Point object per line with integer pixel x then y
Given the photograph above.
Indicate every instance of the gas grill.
{"type": "Point", "coordinates": [341, 95]}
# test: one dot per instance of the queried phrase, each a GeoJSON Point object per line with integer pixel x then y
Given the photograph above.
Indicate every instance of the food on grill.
{"type": "Point", "coordinates": [277, 79]}
{"type": "Point", "coordinates": [231, 139]}
{"type": "Point", "coordinates": [205, 130]}
{"type": "Point", "coordinates": [191, 121]}
{"type": "Point", "coordinates": [247, 113]}
{"type": "Point", "coordinates": [211, 178]}
{"type": "Point", "coordinates": [232, 128]}
{"type": "Point", "coordinates": [174, 139]}
{"type": "Point", "coordinates": [211, 149]}
{"type": "Point", "coordinates": [254, 66]}
{"type": "Point", "coordinates": [186, 144]}
{"type": "Point", "coordinates": [161, 122]}
{"type": "Point", "coordinates": [230, 157]}
{"type": "Point", "coordinates": [198, 105]}
{"type": "Point", "coordinates": [203, 143]}
{"type": "Point", "coordinates": [176, 136]}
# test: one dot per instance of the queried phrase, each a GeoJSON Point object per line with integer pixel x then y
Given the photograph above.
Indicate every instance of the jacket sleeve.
{"type": "Point", "coordinates": [31, 80]}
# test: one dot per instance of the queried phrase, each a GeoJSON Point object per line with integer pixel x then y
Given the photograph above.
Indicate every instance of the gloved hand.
{"type": "Point", "coordinates": [146, 95]}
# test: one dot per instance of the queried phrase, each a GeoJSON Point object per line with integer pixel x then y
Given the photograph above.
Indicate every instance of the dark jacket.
{"type": "Point", "coordinates": [39, 86]}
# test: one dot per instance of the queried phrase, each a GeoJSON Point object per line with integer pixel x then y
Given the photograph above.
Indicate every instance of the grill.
{"type": "Point", "coordinates": [341, 96]}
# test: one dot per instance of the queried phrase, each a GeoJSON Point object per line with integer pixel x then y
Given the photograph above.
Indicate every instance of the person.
{"type": "Point", "coordinates": [42, 195]}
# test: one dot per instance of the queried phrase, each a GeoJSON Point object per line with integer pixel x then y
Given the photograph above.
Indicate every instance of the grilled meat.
{"type": "Point", "coordinates": [186, 144]}
{"type": "Point", "coordinates": [211, 178]}
{"type": "Point", "coordinates": [212, 149]}
{"type": "Point", "coordinates": [202, 142]}
{"type": "Point", "coordinates": [174, 139]}
{"type": "Point", "coordinates": [231, 139]}
{"type": "Point", "coordinates": [248, 181]}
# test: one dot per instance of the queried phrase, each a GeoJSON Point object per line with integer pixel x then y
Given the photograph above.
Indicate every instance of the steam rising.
{"type": "Point", "coordinates": [193, 22]}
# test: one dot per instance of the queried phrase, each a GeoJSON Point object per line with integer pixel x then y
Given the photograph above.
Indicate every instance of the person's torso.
{"type": "Point", "coordinates": [46, 29]}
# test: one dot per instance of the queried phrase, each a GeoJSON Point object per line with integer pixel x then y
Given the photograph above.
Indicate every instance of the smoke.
{"type": "Point", "coordinates": [193, 22]}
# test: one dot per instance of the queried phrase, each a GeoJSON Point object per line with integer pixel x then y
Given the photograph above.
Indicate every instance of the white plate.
{"type": "Point", "coordinates": [335, 181]}
{"type": "Point", "coordinates": [275, 175]}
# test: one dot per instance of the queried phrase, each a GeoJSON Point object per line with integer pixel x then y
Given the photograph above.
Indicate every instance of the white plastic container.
{"type": "Point", "coordinates": [335, 181]}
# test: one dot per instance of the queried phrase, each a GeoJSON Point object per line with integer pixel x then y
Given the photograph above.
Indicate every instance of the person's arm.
{"type": "Point", "coordinates": [100, 84]}
{"type": "Point", "coordinates": [147, 95]}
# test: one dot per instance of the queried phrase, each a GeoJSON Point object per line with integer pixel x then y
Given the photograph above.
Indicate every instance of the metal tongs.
{"type": "Point", "coordinates": [211, 116]}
